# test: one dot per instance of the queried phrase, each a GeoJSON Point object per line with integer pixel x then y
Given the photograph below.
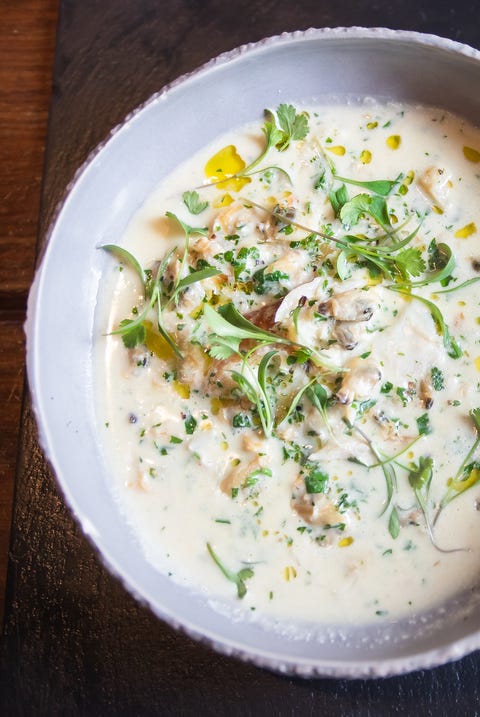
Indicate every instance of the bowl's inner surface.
{"type": "Point", "coordinates": [306, 69]}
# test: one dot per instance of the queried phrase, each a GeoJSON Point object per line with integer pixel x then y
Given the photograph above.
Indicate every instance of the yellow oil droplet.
{"type": "Point", "coordinates": [408, 179]}
{"type": "Point", "coordinates": [265, 533]}
{"type": "Point", "coordinates": [462, 303]}
{"type": "Point", "coordinates": [478, 319]}
{"type": "Point", "coordinates": [471, 154]}
{"type": "Point", "coordinates": [366, 156]}
{"type": "Point", "coordinates": [182, 389]}
{"type": "Point", "coordinates": [410, 455]}
{"type": "Point", "coordinates": [222, 201]}
{"type": "Point", "coordinates": [289, 573]}
{"type": "Point", "coordinates": [477, 363]}
{"type": "Point", "coordinates": [437, 209]}
{"type": "Point", "coordinates": [337, 149]}
{"type": "Point", "coordinates": [216, 404]}
{"type": "Point", "coordinates": [466, 231]}
{"type": "Point", "coordinates": [156, 343]}
{"type": "Point", "coordinates": [197, 312]}
{"type": "Point", "coordinates": [225, 164]}
{"type": "Point", "coordinates": [345, 542]}
{"type": "Point", "coordinates": [372, 125]}
{"type": "Point", "coordinates": [393, 218]}
{"type": "Point", "coordinates": [394, 141]}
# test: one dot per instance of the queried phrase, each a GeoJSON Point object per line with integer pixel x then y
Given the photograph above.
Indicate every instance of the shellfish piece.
{"type": "Point", "coordinates": [314, 508]}
{"type": "Point", "coordinates": [349, 306]}
{"type": "Point", "coordinates": [265, 316]}
{"type": "Point", "coordinates": [345, 334]}
{"type": "Point", "coordinates": [361, 380]}
{"type": "Point", "coordinates": [436, 184]}
{"type": "Point", "coordinates": [238, 475]}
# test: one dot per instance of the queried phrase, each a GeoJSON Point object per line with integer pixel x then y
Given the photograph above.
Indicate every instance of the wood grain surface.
{"type": "Point", "coordinates": [75, 642]}
{"type": "Point", "coordinates": [27, 37]}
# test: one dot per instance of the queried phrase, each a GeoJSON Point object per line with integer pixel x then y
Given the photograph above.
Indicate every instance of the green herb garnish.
{"type": "Point", "coordinates": [468, 473]}
{"type": "Point", "coordinates": [423, 425]}
{"type": "Point", "coordinates": [157, 295]}
{"type": "Point", "coordinates": [193, 202]}
{"type": "Point", "coordinates": [383, 187]}
{"type": "Point", "coordinates": [190, 424]}
{"type": "Point", "coordinates": [293, 126]}
{"type": "Point", "coordinates": [237, 578]}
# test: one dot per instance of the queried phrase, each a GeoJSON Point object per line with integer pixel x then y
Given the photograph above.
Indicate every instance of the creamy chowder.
{"type": "Point", "coordinates": [289, 380]}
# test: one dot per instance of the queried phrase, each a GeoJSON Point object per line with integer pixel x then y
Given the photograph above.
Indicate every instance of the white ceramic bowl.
{"type": "Point", "coordinates": [301, 68]}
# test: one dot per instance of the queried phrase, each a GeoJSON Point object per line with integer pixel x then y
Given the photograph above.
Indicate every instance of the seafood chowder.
{"type": "Point", "coordinates": [289, 366]}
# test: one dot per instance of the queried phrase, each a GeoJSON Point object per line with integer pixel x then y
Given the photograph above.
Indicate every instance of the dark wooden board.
{"type": "Point", "coordinates": [27, 43]}
{"type": "Point", "coordinates": [75, 642]}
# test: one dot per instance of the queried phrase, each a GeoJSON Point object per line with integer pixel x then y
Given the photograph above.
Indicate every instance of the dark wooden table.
{"type": "Point", "coordinates": [74, 642]}
{"type": "Point", "coordinates": [27, 37]}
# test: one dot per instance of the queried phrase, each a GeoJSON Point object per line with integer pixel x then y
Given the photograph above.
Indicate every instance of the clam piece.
{"type": "Point", "coordinates": [205, 247]}
{"type": "Point", "coordinates": [436, 184]}
{"type": "Point", "coordinates": [345, 334]}
{"type": "Point", "coordinates": [311, 289]}
{"type": "Point", "coordinates": [426, 392]}
{"type": "Point", "coordinates": [233, 218]}
{"type": "Point", "coordinates": [265, 316]}
{"type": "Point", "coordinates": [292, 263]}
{"type": "Point", "coordinates": [314, 508]}
{"type": "Point", "coordinates": [361, 380]}
{"type": "Point", "coordinates": [349, 306]}
{"type": "Point", "coordinates": [237, 476]}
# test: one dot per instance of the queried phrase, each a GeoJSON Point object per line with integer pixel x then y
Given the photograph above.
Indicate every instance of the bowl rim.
{"type": "Point", "coordinates": [307, 667]}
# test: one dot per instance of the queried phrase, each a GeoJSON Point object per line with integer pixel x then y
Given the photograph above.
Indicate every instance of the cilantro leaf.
{"type": "Point", "coordinates": [272, 134]}
{"type": "Point", "coordinates": [294, 126]}
{"type": "Point", "coordinates": [420, 475]}
{"type": "Point", "coordinates": [362, 204]}
{"type": "Point", "coordinates": [132, 332]}
{"type": "Point", "coordinates": [441, 263]}
{"type": "Point", "coordinates": [193, 202]}
{"type": "Point", "coordinates": [410, 262]}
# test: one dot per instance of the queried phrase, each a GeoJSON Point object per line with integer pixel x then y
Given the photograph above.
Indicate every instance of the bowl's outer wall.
{"type": "Point", "coordinates": [315, 67]}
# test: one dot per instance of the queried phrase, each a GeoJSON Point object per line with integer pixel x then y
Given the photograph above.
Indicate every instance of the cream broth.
{"type": "Point", "coordinates": [299, 473]}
